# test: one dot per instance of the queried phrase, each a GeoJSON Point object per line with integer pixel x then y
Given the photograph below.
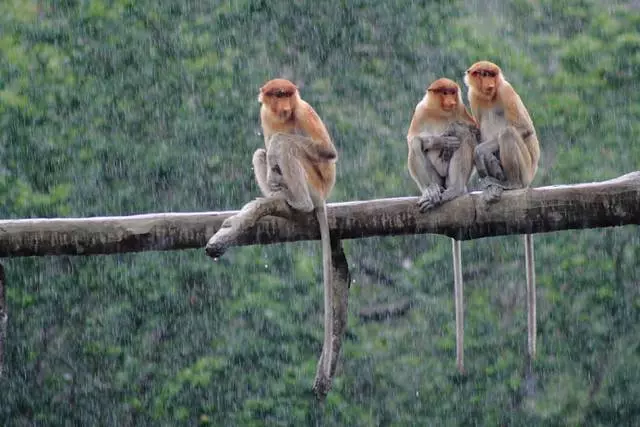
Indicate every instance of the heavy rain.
{"type": "Point", "coordinates": [121, 107]}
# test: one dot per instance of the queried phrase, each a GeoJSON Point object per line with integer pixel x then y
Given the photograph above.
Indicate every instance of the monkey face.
{"type": "Point", "coordinates": [488, 84]}
{"type": "Point", "coordinates": [281, 107]}
{"type": "Point", "coordinates": [449, 101]}
{"type": "Point", "coordinates": [279, 96]}
{"type": "Point", "coordinates": [484, 77]}
{"type": "Point", "coordinates": [445, 93]}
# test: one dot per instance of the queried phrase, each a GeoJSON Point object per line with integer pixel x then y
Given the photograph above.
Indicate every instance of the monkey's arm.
{"type": "Point", "coordinates": [318, 142]}
{"type": "Point", "coordinates": [516, 113]}
{"type": "Point", "coordinates": [439, 142]}
{"type": "Point", "coordinates": [303, 146]}
{"type": "Point", "coordinates": [468, 134]}
{"type": "Point", "coordinates": [419, 117]}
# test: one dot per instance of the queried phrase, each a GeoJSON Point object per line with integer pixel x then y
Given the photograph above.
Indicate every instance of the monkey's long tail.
{"type": "Point", "coordinates": [531, 295]}
{"type": "Point", "coordinates": [327, 347]}
{"type": "Point", "coordinates": [458, 298]}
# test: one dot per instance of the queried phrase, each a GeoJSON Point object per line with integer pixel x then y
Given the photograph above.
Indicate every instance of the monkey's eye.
{"type": "Point", "coordinates": [282, 94]}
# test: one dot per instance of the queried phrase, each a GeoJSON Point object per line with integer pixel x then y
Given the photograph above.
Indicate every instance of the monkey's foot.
{"type": "Point", "coordinates": [431, 198]}
{"type": "Point", "coordinates": [447, 153]}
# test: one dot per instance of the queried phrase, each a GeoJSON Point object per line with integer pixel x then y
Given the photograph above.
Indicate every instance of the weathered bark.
{"type": "Point", "coordinates": [534, 210]}
{"type": "Point", "coordinates": [4, 318]}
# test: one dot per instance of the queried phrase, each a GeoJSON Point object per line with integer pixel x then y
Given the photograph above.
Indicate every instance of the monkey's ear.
{"type": "Point", "coordinates": [260, 96]}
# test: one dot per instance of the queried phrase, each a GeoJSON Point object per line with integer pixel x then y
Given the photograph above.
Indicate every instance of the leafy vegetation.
{"type": "Point", "coordinates": [114, 107]}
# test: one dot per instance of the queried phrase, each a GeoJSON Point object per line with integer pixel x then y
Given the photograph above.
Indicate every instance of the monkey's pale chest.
{"type": "Point", "coordinates": [493, 122]}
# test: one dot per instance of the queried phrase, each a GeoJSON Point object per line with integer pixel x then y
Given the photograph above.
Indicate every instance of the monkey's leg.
{"type": "Point", "coordinates": [486, 160]}
{"type": "Point", "coordinates": [425, 175]}
{"type": "Point", "coordinates": [259, 162]}
{"type": "Point", "coordinates": [286, 176]}
{"type": "Point", "coordinates": [515, 159]}
{"type": "Point", "coordinates": [515, 162]}
{"type": "Point", "coordinates": [260, 170]}
{"type": "Point", "coordinates": [490, 170]}
{"type": "Point", "coordinates": [460, 169]}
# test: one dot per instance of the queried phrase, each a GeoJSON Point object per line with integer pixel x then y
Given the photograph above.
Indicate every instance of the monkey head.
{"type": "Point", "coordinates": [444, 94]}
{"type": "Point", "coordinates": [280, 96]}
{"type": "Point", "coordinates": [484, 78]}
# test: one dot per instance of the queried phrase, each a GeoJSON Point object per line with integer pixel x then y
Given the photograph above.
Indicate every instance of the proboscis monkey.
{"type": "Point", "coordinates": [442, 136]}
{"type": "Point", "coordinates": [298, 164]}
{"type": "Point", "coordinates": [507, 158]}
{"type": "Point", "coordinates": [439, 162]}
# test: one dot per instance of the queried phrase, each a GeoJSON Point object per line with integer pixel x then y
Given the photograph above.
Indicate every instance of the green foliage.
{"type": "Point", "coordinates": [121, 107]}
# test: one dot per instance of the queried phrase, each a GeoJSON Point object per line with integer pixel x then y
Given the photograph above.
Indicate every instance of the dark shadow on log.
{"type": "Point", "coordinates": [4, 318]}
{"type": "Point", "coordinates": [385, 311]}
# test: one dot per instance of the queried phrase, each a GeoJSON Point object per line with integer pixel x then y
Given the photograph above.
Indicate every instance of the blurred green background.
{"type": "Point", "coordinates": [122, 107]}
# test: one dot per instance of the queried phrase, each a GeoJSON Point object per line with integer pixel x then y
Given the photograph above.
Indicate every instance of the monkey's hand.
{"type": "Point", "coordinates": [464, 131]}
{"type": "Point", "coordinates": [431, 197]}
{"type": "Point", "coordinates": [449, 143]}
{"type": "Point", "coordinates": [446, 154]}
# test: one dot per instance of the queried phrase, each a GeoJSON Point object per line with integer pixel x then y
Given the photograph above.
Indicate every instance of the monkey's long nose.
{"type": "Point", "coordinates": [489, 86]}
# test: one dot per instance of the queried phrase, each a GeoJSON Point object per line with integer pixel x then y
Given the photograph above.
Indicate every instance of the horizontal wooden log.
{"type": "Point", "coordinates": [534, 210]}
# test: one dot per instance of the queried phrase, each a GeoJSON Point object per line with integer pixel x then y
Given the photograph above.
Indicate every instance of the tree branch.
{"type": "Point", "coordinates": [534, 210]}
{"type": "Point", "coordinates": [385, 311]}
